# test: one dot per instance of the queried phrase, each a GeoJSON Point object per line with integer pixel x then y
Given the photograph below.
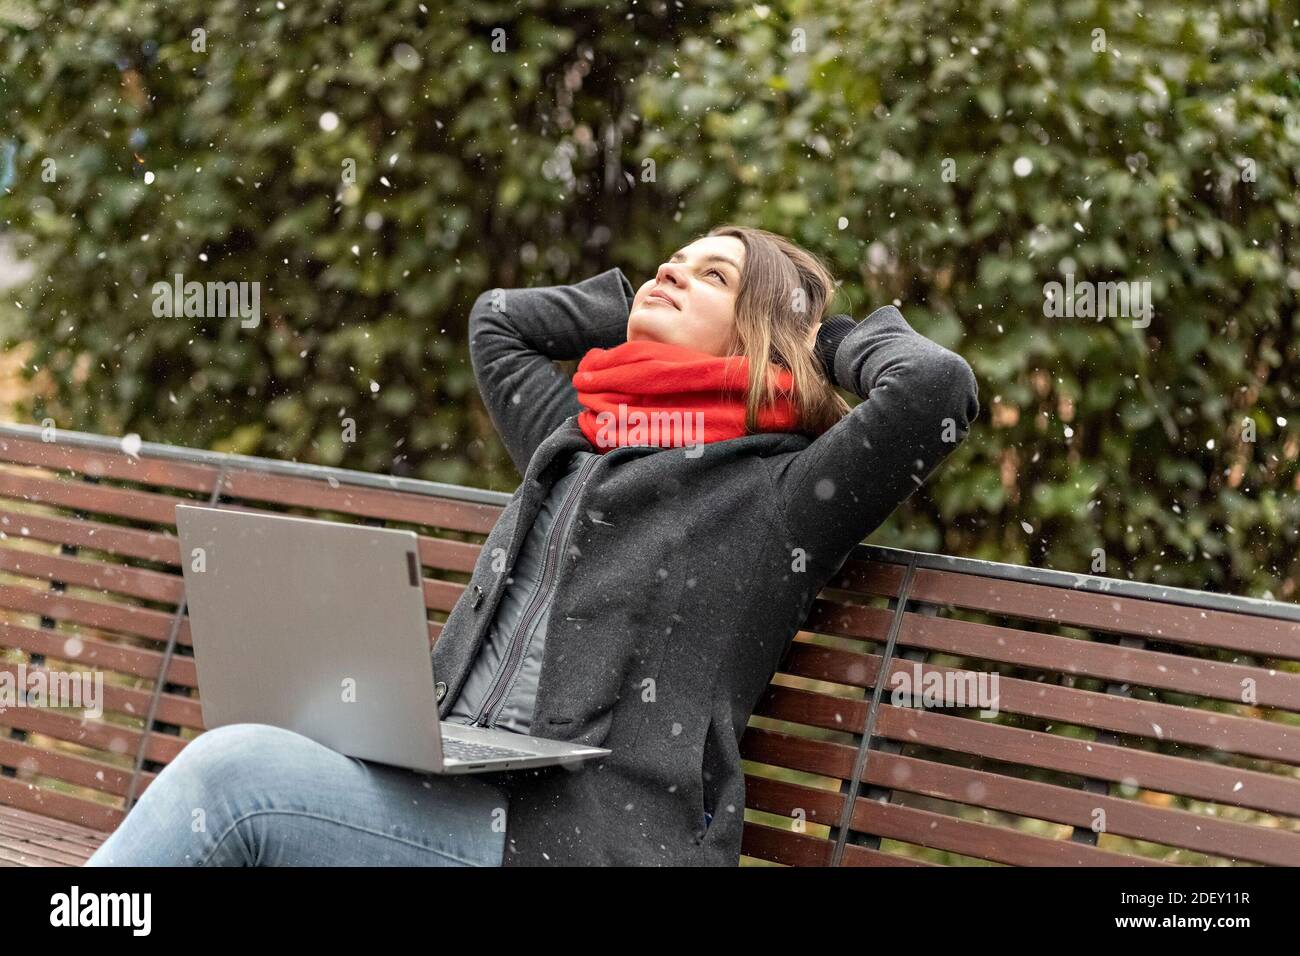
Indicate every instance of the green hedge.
{"type": "Point", "coordinates": [606, 133]}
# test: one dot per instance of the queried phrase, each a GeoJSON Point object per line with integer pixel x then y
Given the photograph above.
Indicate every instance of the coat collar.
{"type": "Point", "coordinates": [569, 438]}
{"type": "Point", "coordinates": [561, 443]}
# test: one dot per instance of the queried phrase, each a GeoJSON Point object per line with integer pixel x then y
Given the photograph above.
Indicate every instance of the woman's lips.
{"type": "Point", "coordinates": [660, 297]}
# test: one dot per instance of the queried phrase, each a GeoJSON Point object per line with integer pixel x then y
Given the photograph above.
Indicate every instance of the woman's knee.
{"type": "Point", "coordinates": [231, 752]}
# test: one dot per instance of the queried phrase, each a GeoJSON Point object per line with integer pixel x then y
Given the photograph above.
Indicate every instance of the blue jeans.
{"type": "Point", "coordinates": [256, 795]}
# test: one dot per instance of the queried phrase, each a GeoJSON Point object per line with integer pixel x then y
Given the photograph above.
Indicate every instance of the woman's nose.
{"type": "Point", "coordinates": [668, 272]}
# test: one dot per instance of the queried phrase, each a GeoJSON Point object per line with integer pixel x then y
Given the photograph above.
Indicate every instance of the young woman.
{"type": "Point", "coordinates": [685, 497]}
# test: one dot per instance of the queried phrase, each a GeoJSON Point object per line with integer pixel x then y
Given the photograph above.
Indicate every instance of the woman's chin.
{"type": "Point", "coordinates": [642, 332]}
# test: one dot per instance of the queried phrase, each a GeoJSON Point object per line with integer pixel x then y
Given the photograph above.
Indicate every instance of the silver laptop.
{"type": "Point", "coordinates": [321, 628]}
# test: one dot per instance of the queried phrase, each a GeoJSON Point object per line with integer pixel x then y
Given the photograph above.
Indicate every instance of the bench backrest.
{"type": "Point", "coordinates": [1132, 723]}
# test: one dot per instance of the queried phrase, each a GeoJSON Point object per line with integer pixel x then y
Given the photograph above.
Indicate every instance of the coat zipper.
{"type": "Point", "coordinates": [515, 648]}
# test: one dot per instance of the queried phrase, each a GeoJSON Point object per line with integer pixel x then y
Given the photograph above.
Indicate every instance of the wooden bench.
{"type": "Point", "coordinates": [1135, 724]}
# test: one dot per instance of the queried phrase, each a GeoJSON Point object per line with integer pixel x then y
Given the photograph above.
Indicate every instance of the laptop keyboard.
{"type": "Point", "coordinates": [466, 750]}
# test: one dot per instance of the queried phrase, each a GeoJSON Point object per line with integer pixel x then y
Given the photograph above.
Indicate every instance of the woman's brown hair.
{"type": "Point", "coordinates": [784, 291]}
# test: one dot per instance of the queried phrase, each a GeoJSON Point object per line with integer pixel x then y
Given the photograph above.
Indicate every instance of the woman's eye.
{"type": "Point", "coordinates": [719, 274]}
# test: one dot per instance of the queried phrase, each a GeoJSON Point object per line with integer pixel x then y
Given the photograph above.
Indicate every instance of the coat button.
{"type": "Point", "coordinates": [476, 597]}
{"type": "Point", "coordinates": [441, 689]}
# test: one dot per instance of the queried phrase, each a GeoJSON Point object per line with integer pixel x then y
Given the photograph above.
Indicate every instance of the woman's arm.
{"type": "Point", "coordinates": [514, 334]}
{"type": "Point", "coordinates": [919, 400]}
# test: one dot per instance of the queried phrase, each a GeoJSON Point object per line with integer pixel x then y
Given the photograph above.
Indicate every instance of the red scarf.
{"type": "Point", "coordinates": [652, 393]}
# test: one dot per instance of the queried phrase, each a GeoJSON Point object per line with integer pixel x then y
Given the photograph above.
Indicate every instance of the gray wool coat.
{"type": "Point", "coordinates": [687, 576]}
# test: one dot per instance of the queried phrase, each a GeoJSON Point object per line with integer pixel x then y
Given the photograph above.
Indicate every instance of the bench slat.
{"type": "Point", "coordinates": [151, 506]}
{"type": "Point", "coordinates": [1066, 655]}
{"type": "Point", "coordinates": [438, 553]}
{"type": "Point", "coordinates": [59, 806]}
{"type": "Point", "coordinates": [119, 579]}
{"type": "Point", "coordinates": [941, 832]}
{"type": "Point", "coordinates": [152, 585]}
{"type": "Point", "coordinates": [1122, 765]}
{"type": "Point", "coordinates": [1130, 818]}
{"type": "Point", "coordinates": [1112, 614]}
{"type": "Point", "coordinates": [70, 768]}
{"type": "Point", "coordinates": [131, 701]}
{"type": "Point", "coordinates": [310, 493]}
{"type": "Point", "coordinates": [87, 533]}
{"type": "Point", "coordinates": [127, 619]}
{"type": "Point", "coordinates": [1248, 736]}
{"type": "Point", "coordinates": [87, 651]}
{"type": "Point", "coordinates": [110, 738]}
{"type": "Point", "coordinates": [982, 841]}
{"type": "Point", "coordinates": [95, 463]}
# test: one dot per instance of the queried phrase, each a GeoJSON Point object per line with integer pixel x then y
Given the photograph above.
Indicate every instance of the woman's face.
{"type": "Point", "coordinates": [700, 282]}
